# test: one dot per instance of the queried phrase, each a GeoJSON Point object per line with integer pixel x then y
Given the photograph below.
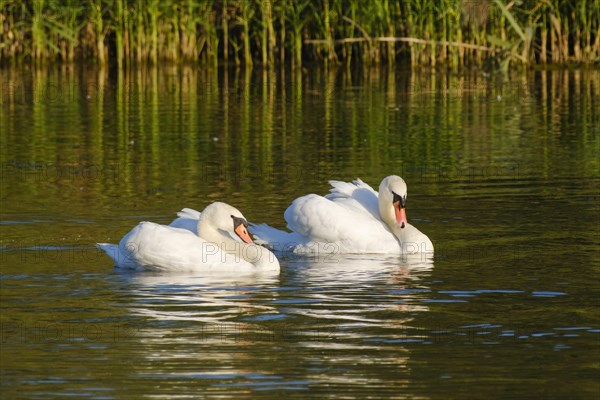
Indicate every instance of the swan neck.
{"type": "Point", "coordinates": [211, 234]}
{"type": "Point", "coordinates": [386, 210]}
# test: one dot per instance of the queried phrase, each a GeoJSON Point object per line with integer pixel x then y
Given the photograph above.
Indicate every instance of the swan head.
{"type": "Point", "coordinates": [392, 201]}
{"type": "Point", "coordinates": [224, 220]}
{"type": "Point", "coordinates": [226, 227]}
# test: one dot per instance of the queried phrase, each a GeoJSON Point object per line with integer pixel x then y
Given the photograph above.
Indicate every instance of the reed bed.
{"type": "Point", "coordinates": [453, 33]}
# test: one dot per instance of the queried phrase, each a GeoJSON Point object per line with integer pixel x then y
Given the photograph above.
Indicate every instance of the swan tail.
{"type": "Point", "coordinates": [111, 250]}
{"type": "Point", "coordinates": [114, 252]}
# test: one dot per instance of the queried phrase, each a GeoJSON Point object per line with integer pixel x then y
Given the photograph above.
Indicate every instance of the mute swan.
{"type": "Point", "coordinates": [353, 218]}
{"type": "Point", "coordinates": [214, 240]}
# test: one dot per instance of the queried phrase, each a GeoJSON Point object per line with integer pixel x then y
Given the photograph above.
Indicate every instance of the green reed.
{"type": "Point", "coordinates": [455, 33]}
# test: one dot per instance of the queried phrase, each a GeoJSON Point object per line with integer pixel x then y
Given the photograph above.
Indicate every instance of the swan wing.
{"type": "Point", "coordinates": [187, 219]}
{"type": "Point", "coordinates": [348, 228]}
{"type": "Point", "coordinates": [165, 248]}
{"type": "Point", "coordinates": [356, 196]}
{"type": "Point", "coordinates": [189, 213]}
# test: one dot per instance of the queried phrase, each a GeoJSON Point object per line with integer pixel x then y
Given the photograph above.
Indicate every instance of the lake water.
{"type": "Point", "coordinates": [502, 174]}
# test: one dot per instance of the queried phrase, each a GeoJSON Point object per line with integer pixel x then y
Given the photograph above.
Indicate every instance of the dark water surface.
{"type": "Point", "coordinates": [503, 176]}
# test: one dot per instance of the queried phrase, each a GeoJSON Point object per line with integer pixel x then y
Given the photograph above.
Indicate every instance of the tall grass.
{"type": "Point", "coordinates": [420, 32]}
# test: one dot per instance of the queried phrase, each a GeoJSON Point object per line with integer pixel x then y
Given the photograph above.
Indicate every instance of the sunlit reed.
{"type": "Point", "coordinates": [488, 33]}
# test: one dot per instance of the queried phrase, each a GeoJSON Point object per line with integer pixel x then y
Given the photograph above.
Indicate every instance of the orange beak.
{"type": "Point", "coordinates": [400, 214]}
{"type": "Point", "coordinates": [242, 232]}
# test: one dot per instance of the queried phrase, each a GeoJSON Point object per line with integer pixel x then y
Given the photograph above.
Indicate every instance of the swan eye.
{"type": "Point", "coordinates": [237, 221]}
{"type": "Point", "coordinates": [399, 199]}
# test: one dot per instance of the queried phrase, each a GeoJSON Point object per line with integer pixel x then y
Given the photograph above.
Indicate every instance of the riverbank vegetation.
{"type": "Point", "coordinates": [488, 33]}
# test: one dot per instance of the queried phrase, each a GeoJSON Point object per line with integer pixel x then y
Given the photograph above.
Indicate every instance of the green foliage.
{"type": "Point", "coordinates": [426, 32]}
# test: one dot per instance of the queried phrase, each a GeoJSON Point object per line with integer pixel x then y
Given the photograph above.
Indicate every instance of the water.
{"type": "Point", "coordinates": [502, 176]}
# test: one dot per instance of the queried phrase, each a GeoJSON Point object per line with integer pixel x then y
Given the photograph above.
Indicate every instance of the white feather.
{"type": "Point", "coordinates": [177, 247]}
{"type": "Point", "coordinates": [347, 220]}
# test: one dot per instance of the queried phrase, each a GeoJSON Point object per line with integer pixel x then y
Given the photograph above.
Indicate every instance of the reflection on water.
{"type": "Point", "coordinates": [136, 140]}
{"type": "Point", "coordinates": [234, 306]}
{"type": "Point", "coordinates": [196, 298]}
{"type": "Point", "coordinates": [502, 176]}
{"type": "Point", "coordinates": [218, 330]}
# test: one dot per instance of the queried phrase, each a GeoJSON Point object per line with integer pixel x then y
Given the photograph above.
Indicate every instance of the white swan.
{"type": "Point", "coordinates": [353, 218]}
{"type": "Point", "coordinates": [214, 240]}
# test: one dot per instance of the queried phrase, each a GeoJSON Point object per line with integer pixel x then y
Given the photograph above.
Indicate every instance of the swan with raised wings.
{"type": "Point", "coordinates": [352, 218]}
{"type": "Point", "coordinates": [216, 239]}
